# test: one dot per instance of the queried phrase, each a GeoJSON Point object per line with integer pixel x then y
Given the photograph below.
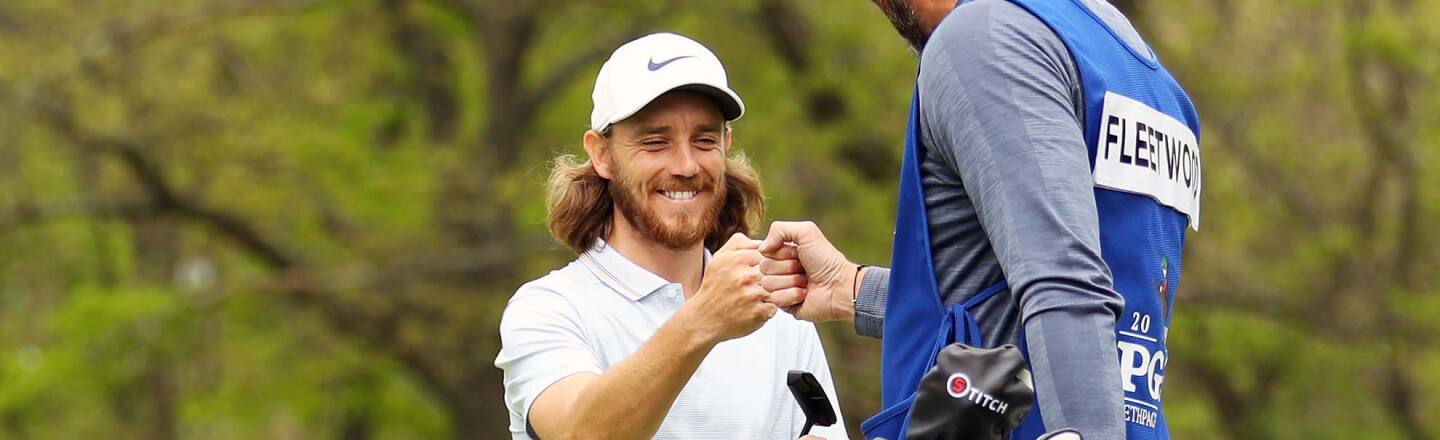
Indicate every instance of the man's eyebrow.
{"type": "Point", "coordinates": [652, 129]}
{"type": "Point", "coordinates": [708, 128]}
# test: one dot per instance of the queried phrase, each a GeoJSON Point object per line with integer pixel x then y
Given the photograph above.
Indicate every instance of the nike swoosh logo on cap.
{"type": "Point", "coordinates": [657, 66]}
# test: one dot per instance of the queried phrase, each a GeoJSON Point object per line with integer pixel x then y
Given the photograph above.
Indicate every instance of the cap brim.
{"type": "Point", "coordinates": [730, 106]}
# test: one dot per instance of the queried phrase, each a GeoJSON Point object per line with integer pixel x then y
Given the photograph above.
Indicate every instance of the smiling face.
{"type": "Point", "coordinates": [666, 167]}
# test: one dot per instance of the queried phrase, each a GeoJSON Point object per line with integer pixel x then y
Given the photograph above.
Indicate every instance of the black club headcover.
{"type": "Point", "coordinates": [972, 394]}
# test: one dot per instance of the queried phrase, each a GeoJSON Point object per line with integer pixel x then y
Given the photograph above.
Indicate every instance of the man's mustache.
{"type": "Point", "coordinates": [697, 184]}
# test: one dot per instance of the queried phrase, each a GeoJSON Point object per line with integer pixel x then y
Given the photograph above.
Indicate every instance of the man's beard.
{"type": "Point", "coordinates": [905, 22]}
{"type": "Point", "coordinates": [631, 196]}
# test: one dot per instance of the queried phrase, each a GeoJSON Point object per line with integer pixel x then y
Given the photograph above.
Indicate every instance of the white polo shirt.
{"type": "Point", "coordinates": [596, 311]}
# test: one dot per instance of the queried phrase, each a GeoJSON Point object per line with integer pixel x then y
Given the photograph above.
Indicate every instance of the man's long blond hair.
{"type": "Point", "coordinates": [580, 209]}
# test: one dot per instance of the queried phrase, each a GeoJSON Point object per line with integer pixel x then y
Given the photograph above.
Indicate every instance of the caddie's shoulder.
{"type": "Point", "coordinates": [990, 38]}
{"type": "Point", "coordinates": [987, 17]}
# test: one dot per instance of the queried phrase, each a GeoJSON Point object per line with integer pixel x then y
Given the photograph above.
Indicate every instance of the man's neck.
{"type": "Point", "coordinates": [677, 266]}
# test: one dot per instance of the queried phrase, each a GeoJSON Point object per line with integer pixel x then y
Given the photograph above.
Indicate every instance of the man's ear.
{"type": "Point", "coordinates": [599, 150]}
{"type": "Point", "coordinates": [725, 141]}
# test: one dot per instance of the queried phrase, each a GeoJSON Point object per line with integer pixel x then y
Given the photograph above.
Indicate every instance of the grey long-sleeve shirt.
{"type": "Point", "coordinates": [1010, 195]}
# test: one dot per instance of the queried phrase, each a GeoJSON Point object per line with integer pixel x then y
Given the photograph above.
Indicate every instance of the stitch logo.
{"type": "Point", "coordinates": [958, 385]}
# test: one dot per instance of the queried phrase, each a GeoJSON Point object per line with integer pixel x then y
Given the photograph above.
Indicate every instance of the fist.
{"type": "Point", "coordinates": [731, 302]}
{"type": "Point", "coordinates": [805, 274]}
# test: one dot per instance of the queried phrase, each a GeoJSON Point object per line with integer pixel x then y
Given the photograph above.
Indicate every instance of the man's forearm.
{"type": "Point", "coordinates": [631, 399]}
{"type": "Point", "coordinates": [1077, 377]}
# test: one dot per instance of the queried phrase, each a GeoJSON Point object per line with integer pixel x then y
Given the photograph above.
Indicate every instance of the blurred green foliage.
{"type": "Point", "coordinates": [302, 218]}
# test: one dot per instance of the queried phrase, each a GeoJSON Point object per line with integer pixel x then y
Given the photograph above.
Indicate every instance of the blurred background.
{"type": "Point", "coordinates": [301, 219]}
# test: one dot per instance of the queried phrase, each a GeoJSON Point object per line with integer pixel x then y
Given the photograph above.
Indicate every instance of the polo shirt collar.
{"type": "Point", "coordinates": [623, 275]}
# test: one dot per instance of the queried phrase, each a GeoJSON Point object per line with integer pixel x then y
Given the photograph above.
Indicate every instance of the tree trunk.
{"type": "Point", "coordinates": [431, 71]}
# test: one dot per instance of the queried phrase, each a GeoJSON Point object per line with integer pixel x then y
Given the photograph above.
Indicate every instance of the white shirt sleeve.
{"type": "Point", "coordinates": [541, 342]}
{"type": "Point", "coordinates": [814, 361]}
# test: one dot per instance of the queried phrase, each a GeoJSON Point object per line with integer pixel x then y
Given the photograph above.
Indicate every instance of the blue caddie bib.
{"type": "Point", "coordinates": [1141, 132]}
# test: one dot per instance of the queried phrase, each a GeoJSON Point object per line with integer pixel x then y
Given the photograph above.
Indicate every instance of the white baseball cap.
{"type": "Point", "coordinates": [649, 66]}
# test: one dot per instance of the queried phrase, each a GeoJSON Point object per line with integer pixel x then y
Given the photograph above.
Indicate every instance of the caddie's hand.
{"type": "Point", "coordinates": [806, 275]}
{"type": "Point", "coordinates": [784, 277]}
{"type": "Point", "coordinates": [730, 302]}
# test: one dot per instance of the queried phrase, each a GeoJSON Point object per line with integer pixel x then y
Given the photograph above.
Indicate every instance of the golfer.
{"type": "Point", "coordinates": [648, 334]}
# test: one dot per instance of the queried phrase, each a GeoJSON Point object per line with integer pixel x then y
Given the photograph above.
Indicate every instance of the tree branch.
{"type": "Point", "coordinates": [161, 193]}
{"type": "Point", "coordinates": [565, 73]}
{"type": "Point", "coordinates": [374, 328]}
